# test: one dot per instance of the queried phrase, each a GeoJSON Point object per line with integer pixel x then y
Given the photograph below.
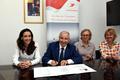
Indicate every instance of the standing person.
{"type": "Point", "coordinates": [110, 51]}
{"type": "Point", "coordinates": [61, 48]}
{"type": "Point", "coordinates": [26, 55]}
{"type": "Point", "coordinates": [86, 49]}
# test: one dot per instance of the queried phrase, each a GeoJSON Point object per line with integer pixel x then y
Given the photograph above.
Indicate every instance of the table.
{"type": "Point", "coordinates": [9, 72]}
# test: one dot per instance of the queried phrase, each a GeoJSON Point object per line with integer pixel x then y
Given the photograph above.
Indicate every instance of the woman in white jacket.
{"type": "Point", "coordinates": [26, 54]}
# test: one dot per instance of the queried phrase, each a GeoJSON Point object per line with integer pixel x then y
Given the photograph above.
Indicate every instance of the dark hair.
{"type": "Point", "coordinates": [88, 31]}
{"type": "Point", "coordinates": [20, 43]}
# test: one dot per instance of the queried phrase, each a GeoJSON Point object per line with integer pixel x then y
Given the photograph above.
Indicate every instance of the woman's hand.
{"type": "Point", "coordinates": [115, 57]}
{"type": "Point", "coordinates": [24, 64]}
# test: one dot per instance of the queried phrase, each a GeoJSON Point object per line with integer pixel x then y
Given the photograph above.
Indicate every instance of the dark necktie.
{"type": "Point", "coordinates": [61, 54]}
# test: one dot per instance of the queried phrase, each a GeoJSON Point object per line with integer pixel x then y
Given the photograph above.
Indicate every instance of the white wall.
{"type": "Point", "coordinates": [11, 23]}
{"type": "Point", "coordinates": [92, 15]}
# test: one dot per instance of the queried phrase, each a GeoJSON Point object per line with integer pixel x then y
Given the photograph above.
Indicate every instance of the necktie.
{"type": "Point", "coordinates": [61, 54]}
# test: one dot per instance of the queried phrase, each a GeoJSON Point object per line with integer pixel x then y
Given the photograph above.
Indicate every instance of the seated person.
{"type": "Point", "coordinates": [84, 46]}
{"type": "Point", "coordinates": [61, 52]}
{"type": "Point", "coordinates": [26, 55]}
{"type": "Point", "coordinates": [109, 48]}
{"type": "Point", "coordinates": [87, 50]}
{"type": "Point", "coordinates": [110, 51]}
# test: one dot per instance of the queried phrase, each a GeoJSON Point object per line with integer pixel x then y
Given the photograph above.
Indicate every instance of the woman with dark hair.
{"type": "Point", "coordinates": [26, 55]}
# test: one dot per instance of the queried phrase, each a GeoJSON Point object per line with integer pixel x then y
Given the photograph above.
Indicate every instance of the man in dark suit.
{"type": "Point", "coordinates": [62, 53]}
{"type": "Point", "coordinates": [69, 54]}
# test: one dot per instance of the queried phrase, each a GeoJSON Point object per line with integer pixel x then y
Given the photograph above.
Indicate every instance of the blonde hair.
{"type": "Point", "coordinates": [111, 31]}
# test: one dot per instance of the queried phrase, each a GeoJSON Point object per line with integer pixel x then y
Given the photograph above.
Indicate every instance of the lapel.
{"type": "Point", "coordinates": [56, 50]}
{"type": "Point", "coordinates": [67, 51]}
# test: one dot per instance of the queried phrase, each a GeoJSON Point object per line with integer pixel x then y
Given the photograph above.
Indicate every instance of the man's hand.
{"type": "Point", "coordinates": [54, 63]}
{"type": "Point", "coordinates": [63, 62]}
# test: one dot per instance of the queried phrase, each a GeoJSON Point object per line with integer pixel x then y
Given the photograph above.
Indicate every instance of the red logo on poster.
{"type": "Point", "coordinates": [57, 4]}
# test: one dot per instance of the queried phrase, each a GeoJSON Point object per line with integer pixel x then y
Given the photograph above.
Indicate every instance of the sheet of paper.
{"type": "Point", "coordinates": [61, 70]}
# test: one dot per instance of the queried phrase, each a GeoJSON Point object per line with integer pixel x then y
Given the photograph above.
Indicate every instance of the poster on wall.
{"type": "Point", "coordinates": [64, 11]}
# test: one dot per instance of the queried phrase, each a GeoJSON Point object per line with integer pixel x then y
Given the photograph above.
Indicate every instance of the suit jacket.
{"type": "Point", "coordinates": [52, 53]}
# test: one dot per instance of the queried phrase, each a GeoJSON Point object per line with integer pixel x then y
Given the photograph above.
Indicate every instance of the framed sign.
{"type": "Point", "coordinates": [33, 11]}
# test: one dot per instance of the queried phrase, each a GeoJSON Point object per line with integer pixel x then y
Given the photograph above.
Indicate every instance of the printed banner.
{"type": "Point", "coordinates": [64, 11]}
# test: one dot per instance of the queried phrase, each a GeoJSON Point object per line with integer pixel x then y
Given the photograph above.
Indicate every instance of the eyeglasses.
{"type": "Point", "coordinates": [85, 35]}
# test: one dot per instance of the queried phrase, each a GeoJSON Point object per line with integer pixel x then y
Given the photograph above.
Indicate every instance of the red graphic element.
{"type": "Point", "coordinates": [72, 4]}
{"type": "Point", "coordinates": [78, 0]}
{"type": "Point", "coordinates": [57, 4]}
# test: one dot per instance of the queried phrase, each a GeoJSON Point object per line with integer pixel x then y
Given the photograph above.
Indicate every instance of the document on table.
{"type": "Point", "coordinates": [61, 70]}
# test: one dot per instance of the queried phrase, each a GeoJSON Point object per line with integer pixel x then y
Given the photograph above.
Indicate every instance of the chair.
{"type": "Point", "coordinates": [97, 54]}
